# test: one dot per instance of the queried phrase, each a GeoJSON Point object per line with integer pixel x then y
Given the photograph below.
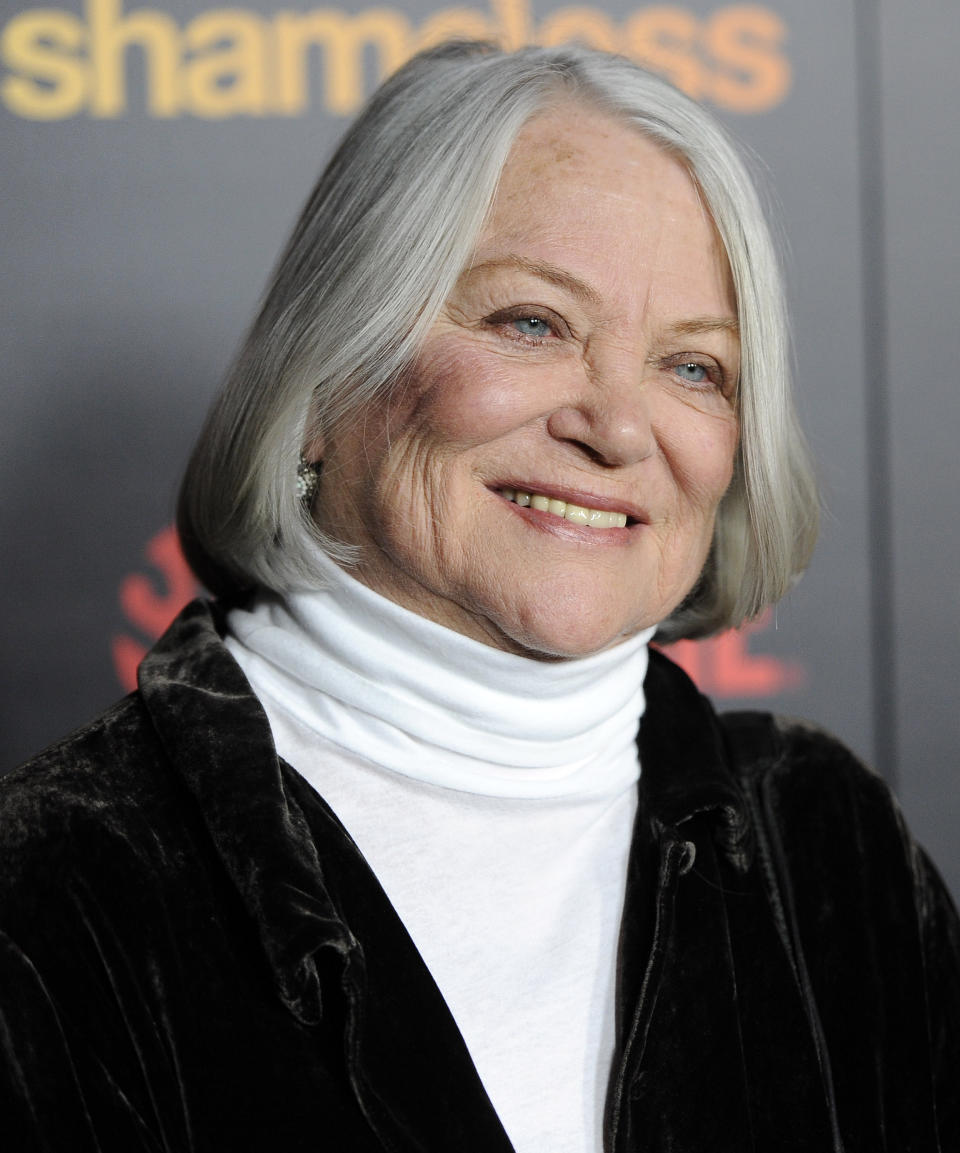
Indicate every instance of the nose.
{"type": "Point", "coordinates": [610, 422]}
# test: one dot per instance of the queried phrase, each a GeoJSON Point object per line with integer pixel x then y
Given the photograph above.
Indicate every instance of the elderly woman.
{"type": "Point", "coordinates": [374, 859]}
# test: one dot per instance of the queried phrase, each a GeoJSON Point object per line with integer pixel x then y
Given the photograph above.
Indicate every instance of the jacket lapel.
{"type": "Point", "coordinates": [715, 1047]}
{"type": "Point", "coordinates": [326, 926]}
{"type": "Point", "coordinates": [218, 739]}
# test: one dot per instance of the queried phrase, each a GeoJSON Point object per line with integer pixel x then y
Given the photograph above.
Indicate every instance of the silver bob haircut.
{"type": "Point", "coordinates": [390, 226]}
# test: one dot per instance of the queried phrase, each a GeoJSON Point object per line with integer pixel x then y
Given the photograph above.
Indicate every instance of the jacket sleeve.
{"type": "Point", "coordinates": [80, 1075]}
{"type": "Point", "coordinates": [41, 1103]}
{"type": "Point", "coordinates": [85, 1060]}
{"type": "Point", "coordinates": [941, 955]}
{"type": "Point", "coordinates": [873, 924]}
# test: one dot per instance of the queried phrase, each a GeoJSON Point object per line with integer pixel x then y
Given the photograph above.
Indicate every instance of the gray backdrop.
{"type": "Point", "coordinates": [153, 160]}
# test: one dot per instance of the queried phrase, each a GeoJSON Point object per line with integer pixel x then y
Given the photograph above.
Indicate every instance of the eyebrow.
{"type": "Point", "coordinates": [545, 271]}
{"type": "Point", "coordinates": [698, 325]}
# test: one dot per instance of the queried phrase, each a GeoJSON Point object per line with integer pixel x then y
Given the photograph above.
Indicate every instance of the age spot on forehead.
{"type": "Point", "coordinates": [543, 149]}
{"type": "Point", "coordinates": [561, 150]}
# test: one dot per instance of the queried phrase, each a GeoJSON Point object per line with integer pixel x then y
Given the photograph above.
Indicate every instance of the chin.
{"type": "Point", "coordinates": [566, 640]}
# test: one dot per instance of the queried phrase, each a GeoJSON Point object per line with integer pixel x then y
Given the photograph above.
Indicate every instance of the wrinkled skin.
{"type": "Point", "coordinates": [589, 353]}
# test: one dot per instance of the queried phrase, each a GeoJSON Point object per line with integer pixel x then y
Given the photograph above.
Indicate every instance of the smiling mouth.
{"type": "Point", "coordinates": [575, 513]}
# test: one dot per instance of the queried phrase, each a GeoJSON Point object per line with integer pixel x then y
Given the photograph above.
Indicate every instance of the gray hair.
{"type": "Point", "coordinates": [389, 228]}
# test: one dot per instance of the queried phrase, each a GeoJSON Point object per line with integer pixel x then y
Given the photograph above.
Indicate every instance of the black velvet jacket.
{"type": "Point", "coordinates": [195, 957]}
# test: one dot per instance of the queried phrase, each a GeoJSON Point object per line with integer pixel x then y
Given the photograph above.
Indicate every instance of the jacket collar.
{"type": "Point", "coordinates": [219, 741]}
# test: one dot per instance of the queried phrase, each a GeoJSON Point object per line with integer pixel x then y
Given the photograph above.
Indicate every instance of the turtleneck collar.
{"type": "Point", "coordinates": [417, 698]}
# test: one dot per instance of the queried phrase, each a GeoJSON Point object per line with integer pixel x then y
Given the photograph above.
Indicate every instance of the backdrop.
{"type": "Point", "coordinates": [153, 160]}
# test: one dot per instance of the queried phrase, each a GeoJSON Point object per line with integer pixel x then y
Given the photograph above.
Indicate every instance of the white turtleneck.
{"type": "Point", "coordinates": [493, 795]}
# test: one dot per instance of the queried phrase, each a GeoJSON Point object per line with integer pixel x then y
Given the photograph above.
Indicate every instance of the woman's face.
{"type": "Point", "coordinates": [584, 365]}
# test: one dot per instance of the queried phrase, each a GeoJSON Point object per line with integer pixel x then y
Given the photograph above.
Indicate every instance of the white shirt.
{"type": "Point", "coordinates": [493, 795]}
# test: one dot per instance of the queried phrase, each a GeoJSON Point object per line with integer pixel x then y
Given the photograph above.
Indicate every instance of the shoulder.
{"type": "Point", "coordinates": [116, 772]}
{"type": "Point", "coordinates": [796, 763]}
{"type": "Point", "coordinates": [90, 772]}
{"type": "Point", "coordinates": [797, 767]}
{"type": "Point", "coordinates": [830, 823]}
{"type": "Point", "coordinates": [107, 895]}
{"type": "Point", "coordinates": [819, 800]}
{"type": "Point", "coordinates": [100, 803]}
{"type": "Point", "coordinates": [795, 753]}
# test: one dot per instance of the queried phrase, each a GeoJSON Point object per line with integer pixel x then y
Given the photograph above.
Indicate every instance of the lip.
{"type": "Point", "coordinates": [634, 512]}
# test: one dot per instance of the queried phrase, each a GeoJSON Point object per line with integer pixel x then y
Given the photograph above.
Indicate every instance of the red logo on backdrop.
{"type": "Point", "coordinates": [722, 666]}
{"type": "Point", "coordinates": [151, 602]}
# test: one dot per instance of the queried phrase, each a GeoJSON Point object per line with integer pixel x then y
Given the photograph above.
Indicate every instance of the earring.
{"type": "Point", "coordinates": [308, 478]}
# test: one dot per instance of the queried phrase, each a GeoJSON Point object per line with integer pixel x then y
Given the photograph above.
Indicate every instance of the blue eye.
{"type": "Point", "coordinates": [692, 372]}
{"type": "Point", "coordinates": [530, 325]}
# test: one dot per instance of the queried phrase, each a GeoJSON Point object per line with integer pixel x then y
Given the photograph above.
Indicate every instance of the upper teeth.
{"type": "Point", "coordinates": [594, 517]}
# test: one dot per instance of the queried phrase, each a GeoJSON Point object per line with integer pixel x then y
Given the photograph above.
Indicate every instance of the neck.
{"type": "Point", "coordinates": [418, 698]}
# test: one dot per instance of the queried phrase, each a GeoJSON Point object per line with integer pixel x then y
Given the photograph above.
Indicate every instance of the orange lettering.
{"type": "Point", "coordinates": [665, 39]}
{"type": "Point", "coordinates": [343, 38]}
{"type": "Point", "coordinates": [112, 33]}
{"type": "Point", "coordinates": [42, 46]}
{"type": "Point", "coordinates": [754, 75]}
{"type": "Point", "coordinates": [513, 17]}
